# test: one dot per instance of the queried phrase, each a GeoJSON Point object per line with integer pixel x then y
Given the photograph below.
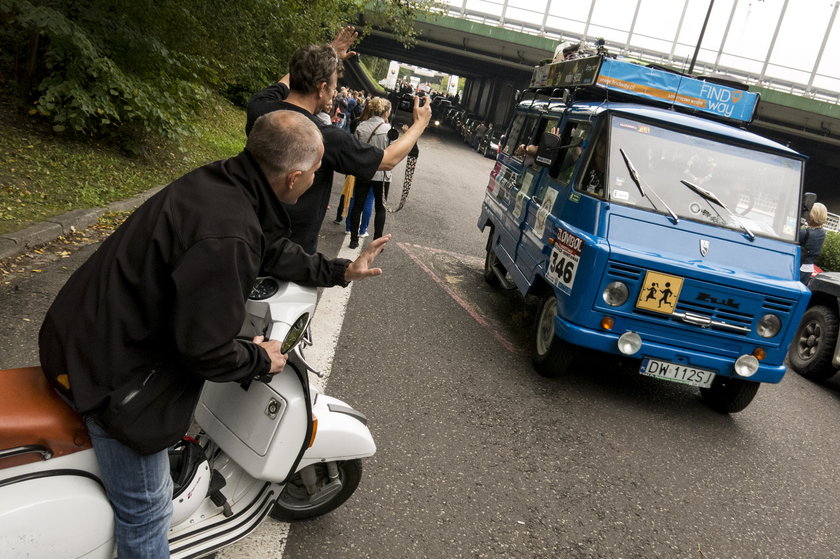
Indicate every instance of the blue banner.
{"type": "Point", "coordinates": [650, 83]}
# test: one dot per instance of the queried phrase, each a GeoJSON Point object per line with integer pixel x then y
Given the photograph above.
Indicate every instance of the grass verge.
{"type": "Point", "coordinates": [43, 174]}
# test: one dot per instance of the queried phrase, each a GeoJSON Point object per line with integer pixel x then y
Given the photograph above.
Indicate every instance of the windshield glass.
{"type": "Point", "coordinates": [760, 189]}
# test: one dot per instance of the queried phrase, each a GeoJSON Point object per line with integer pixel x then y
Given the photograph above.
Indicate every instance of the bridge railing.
{"type": "Point", "coordinates": [538, 26]}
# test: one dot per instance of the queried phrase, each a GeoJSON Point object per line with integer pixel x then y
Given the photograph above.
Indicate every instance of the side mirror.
{"type": "Point", "coordinates": [808, 200]}
{"type": "Point", "coordinates": [549, 144]}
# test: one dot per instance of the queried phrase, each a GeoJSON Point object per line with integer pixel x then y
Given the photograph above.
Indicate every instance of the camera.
{"type": "Point", "coordinates": [407, 101]}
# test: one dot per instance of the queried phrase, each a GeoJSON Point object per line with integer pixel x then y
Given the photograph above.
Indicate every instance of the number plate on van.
{"type": "Point", "coordinates": [677, 373]}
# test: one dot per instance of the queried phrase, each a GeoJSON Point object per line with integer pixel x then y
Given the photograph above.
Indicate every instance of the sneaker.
{"type": "Point", "coordinates": [337, 221]}
{"type": "Point", "coordinates": [354, 244]}
{"type": "Point", "coordinates": [363, 235]}
{"type": "Point", "coordinates": [346, 232]}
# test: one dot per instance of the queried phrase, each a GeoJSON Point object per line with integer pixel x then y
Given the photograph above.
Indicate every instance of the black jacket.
{"type": "Point", "coordinates": [167, 291]}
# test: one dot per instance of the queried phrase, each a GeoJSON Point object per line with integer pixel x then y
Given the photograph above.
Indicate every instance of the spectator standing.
{"type": "Point", "coordinates": [324, 115]}
{"type": "Point", "coordinates": [811, 239]}
{"type": "Point", "coordinates": [350, 104]}
{"type": "Point", "coordinates": [480, 131]}
{"type": "Point", "coordinates": [373, 131]}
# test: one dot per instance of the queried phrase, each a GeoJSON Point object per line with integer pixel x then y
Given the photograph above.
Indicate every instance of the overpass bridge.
{"type": "Point", "coordinates": [497, 56]}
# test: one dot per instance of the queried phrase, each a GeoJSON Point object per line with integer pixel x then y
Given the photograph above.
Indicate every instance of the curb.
{"type": "Point", "coordinates": [12, 244]}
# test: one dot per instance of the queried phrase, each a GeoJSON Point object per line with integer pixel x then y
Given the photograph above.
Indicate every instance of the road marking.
{"type": "Point", "coordinates": [471, 310]}
{"type": "Point", "coordinates": [269, 540]}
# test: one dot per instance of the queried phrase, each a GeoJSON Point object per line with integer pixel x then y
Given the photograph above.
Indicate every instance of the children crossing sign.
{"type": "Point", "coordinates": [660, 293]}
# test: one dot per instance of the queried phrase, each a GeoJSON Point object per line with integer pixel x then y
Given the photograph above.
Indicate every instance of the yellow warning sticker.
{"type": "Point", "coordinates": [660, 292]}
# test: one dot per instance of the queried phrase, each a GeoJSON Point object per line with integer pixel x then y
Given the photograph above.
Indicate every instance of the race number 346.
{"type": "Point", "coordinates": [564, 260]}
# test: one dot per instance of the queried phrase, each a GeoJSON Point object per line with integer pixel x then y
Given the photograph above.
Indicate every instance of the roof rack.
{"type": "Point", "coordinates": [602, 74]}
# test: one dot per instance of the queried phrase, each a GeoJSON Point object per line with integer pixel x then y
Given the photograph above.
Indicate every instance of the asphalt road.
{"type": "Point", "coordinates": [480, 457]}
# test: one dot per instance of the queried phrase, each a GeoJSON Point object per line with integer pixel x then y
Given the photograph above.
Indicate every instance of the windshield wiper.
{"type": "Point", "coordinates": [636, 179]}
{"type": "Point", "coordinates": [712, 197]}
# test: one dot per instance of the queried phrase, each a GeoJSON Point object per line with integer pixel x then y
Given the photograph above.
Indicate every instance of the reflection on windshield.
{"type": "Point", "coordinates": [760, 189]}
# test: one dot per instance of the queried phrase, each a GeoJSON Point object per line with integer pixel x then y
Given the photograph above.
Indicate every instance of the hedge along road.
{"type": "Point", "coordinates": [480, 457]}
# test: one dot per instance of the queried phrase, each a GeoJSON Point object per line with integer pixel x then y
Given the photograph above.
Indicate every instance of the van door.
{"type": "Point", "coordinates": [549, 194]}
{"type": "Point", "coordinates": [510, 176]}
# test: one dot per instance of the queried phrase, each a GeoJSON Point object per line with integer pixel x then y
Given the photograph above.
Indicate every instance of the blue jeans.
{"type": "Point", "coordinates": [140, 490]}
{"type": "Point", "coordinates": [362, 191]}
{"type": "Point", "coordinates": [368, 209]}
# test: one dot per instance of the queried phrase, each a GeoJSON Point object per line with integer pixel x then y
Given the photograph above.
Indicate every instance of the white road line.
{"type": "Point", "coordinates": [269, 540]}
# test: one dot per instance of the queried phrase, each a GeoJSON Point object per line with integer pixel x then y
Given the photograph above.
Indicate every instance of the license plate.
{"type": "Point", "coordinates": [677, 373]}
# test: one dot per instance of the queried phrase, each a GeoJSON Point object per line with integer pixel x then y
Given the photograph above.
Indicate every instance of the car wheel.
{"type": "Point", "coordinates": [812, 350]}
{"type": "Point", "coordinates": [491, 261]}
{"type": "Point", "coordinates": [551, 356]}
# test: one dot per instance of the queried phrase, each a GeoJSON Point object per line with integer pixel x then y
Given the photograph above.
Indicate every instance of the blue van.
{"type": "Point", "coordinates": [649, 226]}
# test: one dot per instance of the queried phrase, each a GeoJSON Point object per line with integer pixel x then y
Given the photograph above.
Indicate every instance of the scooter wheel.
{"type": "Point", "coordinates": [295, 502]}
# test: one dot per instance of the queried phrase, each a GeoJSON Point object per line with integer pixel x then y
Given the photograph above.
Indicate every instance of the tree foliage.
{"type": "Point", "coordinates": [131, 67]}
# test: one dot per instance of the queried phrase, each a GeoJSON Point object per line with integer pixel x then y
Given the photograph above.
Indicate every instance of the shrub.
{"type": "Point", "coordinates": [829, 259]}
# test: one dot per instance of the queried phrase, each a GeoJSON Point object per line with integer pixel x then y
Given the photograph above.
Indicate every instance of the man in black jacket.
{"type": "Point", "coordinates": [155, 311]}
{"type": "Point", "coordinates": [309, 86]}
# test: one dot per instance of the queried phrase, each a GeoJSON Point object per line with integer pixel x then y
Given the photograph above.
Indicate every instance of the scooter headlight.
{"type": "Point", "coordinates": [295, 333]}
{"type": "Point", "coordinates": [769, 326]}
{"type": "Point", "coordinates": [615, 294]}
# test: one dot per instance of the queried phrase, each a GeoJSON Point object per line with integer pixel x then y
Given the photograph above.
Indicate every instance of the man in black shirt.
{"type": "Point", "coordinates": [310, 84]}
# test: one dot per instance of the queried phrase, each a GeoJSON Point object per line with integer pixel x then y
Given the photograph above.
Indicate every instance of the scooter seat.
{"type": "Point", "coordinates": [32, 414]}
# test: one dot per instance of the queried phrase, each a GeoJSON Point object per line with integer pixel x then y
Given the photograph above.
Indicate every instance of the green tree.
{"type": "Point", "coordinates": [130, 67]}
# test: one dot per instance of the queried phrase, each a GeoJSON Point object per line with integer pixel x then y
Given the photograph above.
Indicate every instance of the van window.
{"type": "Point", "coordinates": [513, 135]}
{"type": "Point", "coordinates": [521, 132]}
{"type": "Point", "coordinates": [574, 136]}
{"type": "Point", "coordinates": [760, 189]}
{"type": "Point", "coordinates": [593, 179]}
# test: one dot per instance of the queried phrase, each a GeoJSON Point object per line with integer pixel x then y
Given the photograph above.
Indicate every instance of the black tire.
{"type": "Point", "coordinates": [491, 261]}
{"type": "Point", "coordinates": [812, 350]}
{"type": "Point", "coordinates": [293, 503]}
{"type": "Point", "coordinates": [729, 395]}
{"type": "Point", "coordinates": [550, 355]}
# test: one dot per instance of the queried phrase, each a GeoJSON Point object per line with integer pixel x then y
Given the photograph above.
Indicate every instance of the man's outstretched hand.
{"type": "Point", "coordinates": [343, 40]}
{"type": "Point", "coordinates": [360, 268]}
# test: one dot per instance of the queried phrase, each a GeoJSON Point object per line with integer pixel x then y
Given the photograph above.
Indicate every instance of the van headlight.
{"type": "Point", "coordinates": [746, 365]}
{"type": "Point", "coordinates": [769, 325]}
{"type": "Point", "coordinates": [295, 333]}
{"type": "Point", "coordinates": [615, 294]}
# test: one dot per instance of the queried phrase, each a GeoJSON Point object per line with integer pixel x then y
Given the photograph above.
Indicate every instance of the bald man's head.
{"type": "Point", "coordinates": [284, 141]}
{"type": "Point", "coordinates": [288, 147]}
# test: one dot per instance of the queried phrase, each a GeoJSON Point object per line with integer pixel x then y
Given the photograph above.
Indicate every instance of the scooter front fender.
{"type": "Point", "coordinates": [342, 433]}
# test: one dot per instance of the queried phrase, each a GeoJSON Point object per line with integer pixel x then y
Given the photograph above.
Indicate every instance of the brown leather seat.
{"type": "Point", "coordinates": [31, 413]}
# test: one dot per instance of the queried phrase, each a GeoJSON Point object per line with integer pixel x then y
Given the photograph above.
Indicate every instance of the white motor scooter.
{"type": "Point", "coordinates": [276, 447]}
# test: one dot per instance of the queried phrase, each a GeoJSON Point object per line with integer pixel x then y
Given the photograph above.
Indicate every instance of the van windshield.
{"type": "Point", "coordinates": [739, 188]}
